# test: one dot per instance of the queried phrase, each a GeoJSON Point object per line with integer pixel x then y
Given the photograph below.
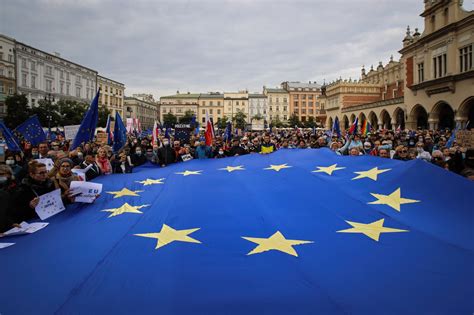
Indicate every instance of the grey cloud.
{"type": "Point", "coordinates": [162, 46]}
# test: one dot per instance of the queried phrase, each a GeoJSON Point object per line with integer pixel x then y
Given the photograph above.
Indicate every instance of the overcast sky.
{"type": "Point", "coordinates": [159, 47]}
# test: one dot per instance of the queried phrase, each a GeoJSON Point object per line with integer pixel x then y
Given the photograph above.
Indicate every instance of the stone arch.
{"type": "Point", "coordinates": [399, 117]}
{"type": "Point", "coordinates": [442, 116]}
{"type": "Point", "coordinates": [330, 123]}
{"type": "Point", "coordinates": [465, 114]}
{"type": "Point", "coordinates": [373, 120]}
{"type": "Point", "coordinates": [385, 120]}
{"type": "Point", "coordinates": [362, 118]}
{"type": "Point", "coordinates": [345, 122]}
{"type": "Point", "coordinates": [419, 117]}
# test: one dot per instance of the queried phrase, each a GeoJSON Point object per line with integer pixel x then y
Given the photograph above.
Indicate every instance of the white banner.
{"type": "Point", "coordinates": [70, 132]}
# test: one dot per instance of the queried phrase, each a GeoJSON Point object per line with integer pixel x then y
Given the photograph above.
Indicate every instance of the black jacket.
{"type": "Point", "coordinates": [166, 155]}
{"type": "Point", "coordinates": [28, 190]}
{"type": "Point", "coordinates": [93, 172]}
{"type": "Point", "coordinates": [6, 220]}
{"type": "Point", "coordinates": [116, 167]}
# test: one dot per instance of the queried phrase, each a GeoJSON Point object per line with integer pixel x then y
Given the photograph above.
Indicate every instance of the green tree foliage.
{"type": "Point", "coordinates": [239, 120]}
{"type": "Point", "coordinates": [186, 119]}
{"type": "Point", "coordinates": [294, 121]}
{"type": "Point", "coordinates": [17, 110]}
{"type": "Point", "coordinates": [222, 122]}
{"type": "Point", "coordinates": [257, 117]}
{"type": "Point", "coordinates": [277, 123]}
{"type": "Point", "coordinates": [169, 120]}
{"type": "Point", "coordinates": [310, 123]}
{"type": "Point", "coordinates": [104, 113]}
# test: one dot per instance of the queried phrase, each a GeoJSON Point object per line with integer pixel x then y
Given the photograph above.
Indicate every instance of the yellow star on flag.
{"type": "Point", "coordinates": [372, 173]}
{"type": "Point", "coordinates": [125, 208]}
{"type": "Point", "coordinates": [372, 230]}
{"type": "Point", "coordinates": [275, 242]}
{"type": "Point", "coordinates": [187, 173]}
{"type": "Point", "coordinates": [393, 200]}
{"type": "Point", "coordinates": [125, 192]}
{"type": "Point", "coordinates": [150, 181]}
{"type": "Point", "coordinates": [230, 169]}
{"type": "Point", "coordinates": [328, 169]}
{"type": "Point", "coordinates": [277, 167]}
{"type": "Point", "coordinates": [168, 235]}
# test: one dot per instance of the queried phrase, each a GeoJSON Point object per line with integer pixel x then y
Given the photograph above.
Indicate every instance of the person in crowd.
{"type": "Point", "coordinates": [166, 154]}
{"type": "Point", "coordinates": [185, 153]}
{"type": "Point", "coordinates": [138, 158]}
{"type": "Point", "coordinates": [154, 158]}
{"type": "Point", "coordinates": [16, 169]}
{"type": "Point", "coordinates": [384, 153]}
{"type": "Point", "coordinates": [94, 170]}
{"type": "Point", "coordinates": [34, 185]}
{"type": "Point", "coordinates": [122, 166]}
{"type": "Point", "coordinates": [103, 161]}
{"type": "Point", "coordinates": [7, 179]}
{"type": "Point", "coordinates": [401, 153]}
{"type": "Point", "coordinates": [236, 149]}
{"type": "Point", "coordinates": [267, 147]}
{"type": "Point", "coordinates": [43, 150]}
{"type": "Point", "coordinates": [63, 178]}
{"type": "Point", "coordinates": [203, 151]}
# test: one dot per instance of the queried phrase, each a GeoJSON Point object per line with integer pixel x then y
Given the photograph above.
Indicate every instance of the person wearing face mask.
{"type": "Point", "coordinates": [7, 179]}
{"type": "Point", "coordinates": [16, 169]}
{"type": "Point", "coordinates": [166, 154]}
{"type": "Point", "coordinates": [122, 166]}
{"type": "Point", "coordinates": [138, 158]}
{"type": "Point", "coordinates": [154, 158]}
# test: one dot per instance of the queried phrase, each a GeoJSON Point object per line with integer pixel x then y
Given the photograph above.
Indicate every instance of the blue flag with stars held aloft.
{"type": "Point", "coordinates": [293, 232]}
{"type": "Point", "coordinates": [86, 131]}
{"type": "Point", "coordinates": [32, 131]}
{"type": "Point", "coordinates": [10, 139]}
{"type": "Point", "coordinates": [120, 133]}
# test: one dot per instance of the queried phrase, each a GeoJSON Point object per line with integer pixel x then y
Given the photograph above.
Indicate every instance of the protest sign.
{"type": "Point", "coordinates": [49, 204]}
{"type": "Point", "coordinates": [70, 132]}
{"type": "Point", "coordinates": [85, 191]}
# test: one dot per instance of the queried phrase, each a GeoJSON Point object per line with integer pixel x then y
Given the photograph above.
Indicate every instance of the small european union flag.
{"type": "Point", "coordinates": [32, 131]}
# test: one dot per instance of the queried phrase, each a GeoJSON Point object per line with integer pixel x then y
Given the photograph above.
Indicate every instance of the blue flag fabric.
{"type": "Point", "coordinates": [10, 139]}
{"type": "Point", "coordinates": [389, 240]}
{"type": "Point", "coordinates": [451, 139]}
{"type": "Point", "coordinates": [228, 132]}
{"type": "Point", "coordinates": [86, 131]}
{"type": "Point", "coordinates": [32, 131]}
{"type": "Point", "coordinates": [336, 127]}
{"type": "Point", "coordinates": [107, 131]}
{"type": "Point", "coordinates": [120, 133]}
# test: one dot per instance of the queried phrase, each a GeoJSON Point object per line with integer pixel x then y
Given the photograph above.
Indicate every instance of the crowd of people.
{"type": "Point", "coordinates": [24, 177]}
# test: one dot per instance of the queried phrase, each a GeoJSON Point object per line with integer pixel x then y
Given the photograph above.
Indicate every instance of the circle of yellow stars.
{"type": "Point", "coordinates": [277, 241]}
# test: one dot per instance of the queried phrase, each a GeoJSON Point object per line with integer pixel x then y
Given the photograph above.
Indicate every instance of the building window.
{"type": "Point", "coordinates": [465, 58]}
{"type": "Point", "coordinates": [49, 70]}
{"type": "Point", "coordinates": [67, 89]}
{"type": "Point", "coordinates": [203, 103]}
{"type": "Point", "coordinates": [61, 87]}
{"type": "Point", "coordinates": [218, 103]}
{"type": "Point", "coordinates": [78, 91]}
{"type": "Point", "coordinates": [67, 76]}
{"type": "Point", "coordinates": [61, 74]}
{"type": "Point", "coordinates": [218, 112]}
{"type": "Point", "coordinates": [23, 63]}
{"type": "Point", "coordinates": [33, 82]}
{"type": "Point", "coordinates": [211, 103]}
{"type": "Point", "coordinates": [278, 108]}
{"type": "Point", "coordinates": [1, 87]}
{"type": "Point", "coordinates": [421, 72]}
{"type": "Point", "coordinates": [10, 58]}
{"type": "Point", "coordinates": [203, 111]}
{"type": "Point", "coordinates": [1, 72]}
{"type": "Point", "coordinates": [310, 111]}
{"type": "Point", "coordinates": [285, 117]}
{"type": "Point", "coordinates": [78, 80]}
{"type": "Point", "coordinates": [439, 66]}
{"type": "Point", "coordinates": [49, 85]}
{"type": "Point", "coordinates": [33, 66]}
{"type": "Point", "coordinates": [204, 120]}
{"type": "Point", "coordinates": [284, 108]}
{"type": "Point", "coordinates": [210, 111]}
{"type": "Point", "coordinates": [237, 103]}
{"type": "Point", "coordinates": [23, 79]}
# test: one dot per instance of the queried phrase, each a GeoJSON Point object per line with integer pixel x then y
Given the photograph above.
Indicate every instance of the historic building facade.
{"type": "Point", "coordinates": [146, 112]}
{"type": "Point", "coordinates": [213, 104]}
{"type": "Point", "coordinates": [111, 95]}
{"type": "Point", "coordinates": [278, 104]}
{"type": "Point", "coordinates": [439, 85]}
{"type": "Point", "coordinates": [40, 74]}
{"type": "Point", "coordinates": [258, 106]}
{"type": "Point", "coordinates": [235, 102]}
{"type": "Point", "coordinates": [7, 71]}
{"type": "Point", "coordinates": [304, 100]}
{"type": "Point", "coordinates": [179, 104]}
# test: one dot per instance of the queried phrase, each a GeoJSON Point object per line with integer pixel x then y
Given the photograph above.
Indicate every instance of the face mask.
{"type": "Point", "coordinates": [80, 155]}
{"type": "Point", "coordinates": [165, 143]}
{"type": "Point", "coordinates": [9, 162]}
{"type": "Point", "coordinates": [138, 152]}
{"type": "Point", "coordinates": [221, 152]}
{"type": "Point", "coordinates": [419, 150]}
{"type": "Point", "coordinates": [3, 179]}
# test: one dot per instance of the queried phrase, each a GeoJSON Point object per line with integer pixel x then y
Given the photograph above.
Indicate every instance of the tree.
{"type": "Point", "coordinates": [17, 110]}
{"type": "Point", "coordinates": [257, 117]}
{"type": "Point", "coordinates": [187, 118]}
{"type": "Point", "coordinates": [222, 122]}
{"type": "Point", "coordinates": [294, 121]}
{"type": "Point", "coordinates": [71, 112]}
{"type": "Point", "coordinates": [48, 113]}
{"type": "Point", "coordinates": [104, 113]}
{"type": "Point", "coordinates": [310, 123]}
{"type": "Point", "coordinates": [239, 120]}
{"type": "Point", "coordinates": [277, 123]}
{"type": "Point", "coordinates": [169, 120]}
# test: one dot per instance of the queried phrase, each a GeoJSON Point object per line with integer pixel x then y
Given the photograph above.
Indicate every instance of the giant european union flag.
{"type": "Point", "coordinates": [294, 232]}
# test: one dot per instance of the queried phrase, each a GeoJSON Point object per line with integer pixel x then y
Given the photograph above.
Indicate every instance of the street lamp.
{"type": "Point", "coordinates": [49, 98]}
